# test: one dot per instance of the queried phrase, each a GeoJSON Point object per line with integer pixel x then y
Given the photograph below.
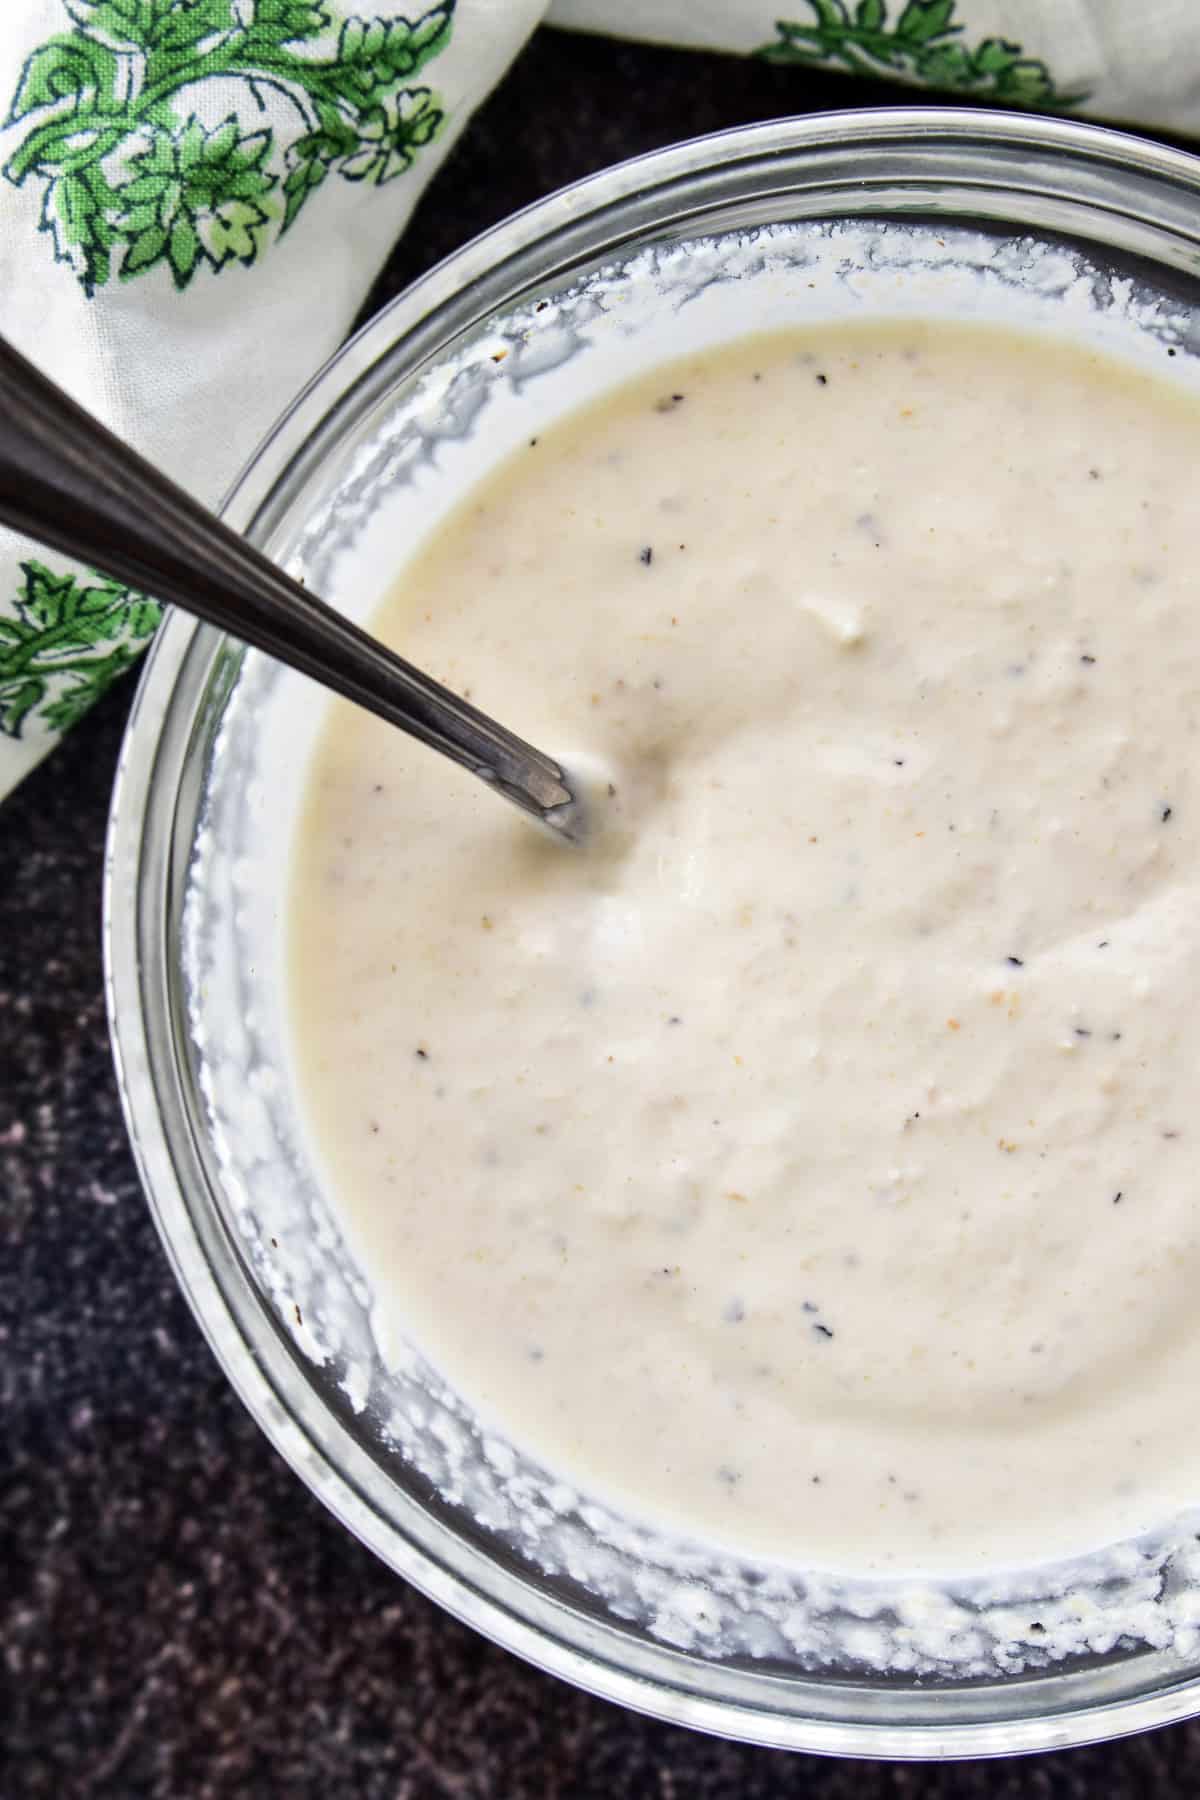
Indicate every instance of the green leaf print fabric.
{"type": "Point", "coordinates": [195, 195]}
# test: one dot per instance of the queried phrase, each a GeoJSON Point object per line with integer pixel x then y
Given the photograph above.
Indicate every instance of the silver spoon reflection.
{"type": "Point", "coordinates": [66, 480]}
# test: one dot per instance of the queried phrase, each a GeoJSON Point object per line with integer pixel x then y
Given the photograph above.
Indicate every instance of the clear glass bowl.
{"type": "Point", "coordinates": [193, 937]}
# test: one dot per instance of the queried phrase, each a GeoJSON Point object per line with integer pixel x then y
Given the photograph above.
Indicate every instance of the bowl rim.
{"type": "Point", "coordinates": [138, 1043]}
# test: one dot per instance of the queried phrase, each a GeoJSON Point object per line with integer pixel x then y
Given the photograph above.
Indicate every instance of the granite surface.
{"type": "Point", "coordinates": [178, 1617]}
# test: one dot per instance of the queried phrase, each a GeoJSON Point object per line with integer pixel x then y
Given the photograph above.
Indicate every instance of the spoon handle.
{"type": "Point", "coordinates": [66, 480]}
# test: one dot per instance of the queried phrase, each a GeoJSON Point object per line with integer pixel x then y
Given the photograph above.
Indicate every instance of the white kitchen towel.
{"type": "Point", "coordinates": [196, 194]}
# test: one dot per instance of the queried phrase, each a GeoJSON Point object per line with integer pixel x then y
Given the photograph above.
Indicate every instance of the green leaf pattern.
{"type": "Point", "coordinates": [924, 45]}
{"type": "Point", "coordinates": [135, 173]}
{"type": "Point", "coordinates": [69, 637]}
{"type": "Point", "coordinates": [139, 171]}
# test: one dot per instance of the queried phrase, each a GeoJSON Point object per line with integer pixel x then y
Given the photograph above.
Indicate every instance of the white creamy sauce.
{"type": "Point", "coordinates": [809, 1165]}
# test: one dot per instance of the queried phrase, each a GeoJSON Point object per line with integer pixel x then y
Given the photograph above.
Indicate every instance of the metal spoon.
{"type": "Point", "coordinates": [66, 480]}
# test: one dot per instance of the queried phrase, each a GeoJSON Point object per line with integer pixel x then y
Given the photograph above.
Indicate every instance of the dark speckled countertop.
{"type": "Point", "coordinates": [178, 1616]}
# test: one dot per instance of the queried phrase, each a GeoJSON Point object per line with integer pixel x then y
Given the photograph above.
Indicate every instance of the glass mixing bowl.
{"type": "Point", "coordinates": [552, 304]}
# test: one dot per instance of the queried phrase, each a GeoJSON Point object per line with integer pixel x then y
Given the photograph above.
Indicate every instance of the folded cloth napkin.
{"type": "Point", "coordinates": [195, 195]}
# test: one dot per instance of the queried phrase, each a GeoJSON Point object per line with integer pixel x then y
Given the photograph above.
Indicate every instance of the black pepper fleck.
{"type": "Point", "coordinates": [1087, 659]}
{"type": "Point", "coordinates": [1016, 962]}
{"type": "Point", "coordinates": [822, 1330]}
{"type": "Point", "coordinates": [1118, 1196]}
{"type": "Point", "coordinates": [822, 381]}
{"type": "Point", "coordinates": [646, 556]}
{"type": "Point", "coordinates": [421, 1055]}
{"type": "Point", "coordinates": [1166, 813]}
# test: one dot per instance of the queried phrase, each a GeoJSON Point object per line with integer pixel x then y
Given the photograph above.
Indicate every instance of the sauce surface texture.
{"type": "Point", "coordinates": [810, 1165]}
